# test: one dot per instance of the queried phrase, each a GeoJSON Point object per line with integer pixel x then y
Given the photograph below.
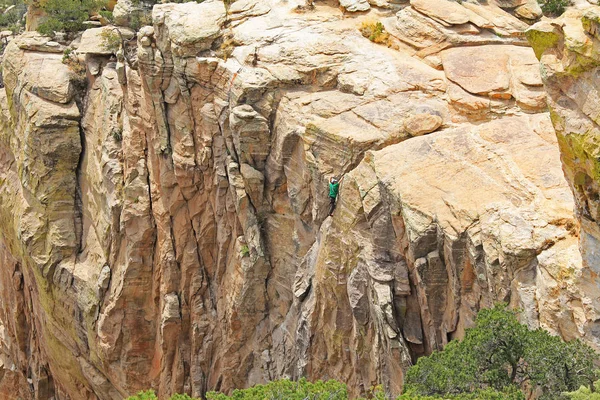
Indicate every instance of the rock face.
{"type": "Point", "coordinates": [164, 221]}
{"type": "Point", "coordinates": [568, 52]}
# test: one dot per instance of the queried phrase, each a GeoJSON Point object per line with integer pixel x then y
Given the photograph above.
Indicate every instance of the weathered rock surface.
{"type": "Point", "coordinates": [568, 52]}
{"type": "Point", "coordinates": [165, 225]}
{"type": "Point", "coordinates": [93, 41]}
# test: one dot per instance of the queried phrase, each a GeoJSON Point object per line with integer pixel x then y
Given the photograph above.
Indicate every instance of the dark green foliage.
{"type": "Point", "coordinates": [449, 372]}
{"type": "Point", "coordinates": [13, 20]}
{"type": "Point", "coordinates": [67, 54]}
{"type": "Point", "coordinates": [509, 393]}
{"type": "Point", "coordinates": [553, 7]}
{"type": "Point", "coordinates": [288, 390]}
{"type": "Point", "coordinates": [500, 354]}
{"type": "Point", "coordinates": [67, 15]}
{"type": "Point", "coordinates": [283, 389]}
{"type": "Point", "coordinates": [106, 14]}
{"type": "Point", "coordinates": [556, 366]}
{"type": "Point", "coordinates": [117, 134]}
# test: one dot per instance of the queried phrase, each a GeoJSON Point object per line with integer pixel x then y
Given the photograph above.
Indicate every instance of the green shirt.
{"type": "Point", "coordinates": [333, 189]}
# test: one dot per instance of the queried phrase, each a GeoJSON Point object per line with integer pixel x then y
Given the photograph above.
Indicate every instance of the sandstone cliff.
{"type": "Point", "coordinates": [568, 51]}
{"type": "Point", "coordinates": [163, 220]}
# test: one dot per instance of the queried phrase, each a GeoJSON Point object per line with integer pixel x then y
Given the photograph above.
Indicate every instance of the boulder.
{"type": "Point", "coordinates": [122, 12]}
{"type": "Point", "coordinates": [355, 5]}
{"type": "Point", "coordinates": [33, 41]}
{"type": "Point", "coordinates": [93, 42]}
{"type": "Point", "coordinates": [445, 11]}
{"type": "Point", "coordinates": [478, 70]}
{"type": "Point", "coordinates": [530, 10]}
{"type": "Point", "coordinates": [192, 27]}
{"type": "Point", "coordinates": [423, 123]}
{"type": "Point", "coordinates": [44, 75]}
{"type": "Point", "coordinates": [499, 72]}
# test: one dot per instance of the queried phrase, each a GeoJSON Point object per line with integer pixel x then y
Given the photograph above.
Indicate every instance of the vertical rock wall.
{"type": "Point", "coordinates": [163, 222]}
{"type": "Point", "coordinates": [568, 51]}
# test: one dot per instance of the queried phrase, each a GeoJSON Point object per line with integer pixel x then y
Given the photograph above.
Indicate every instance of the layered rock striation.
{"type": "Point", "coordinates": [163, 220]}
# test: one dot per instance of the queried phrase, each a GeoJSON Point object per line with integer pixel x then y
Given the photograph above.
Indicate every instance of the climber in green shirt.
{"type": "Point", "coordinates": [334, 187]}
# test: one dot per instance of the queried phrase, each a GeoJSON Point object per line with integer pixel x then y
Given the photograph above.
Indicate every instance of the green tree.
{"type": "Point", "coordinates": [496, 345]}
{"type": "Point", "coordinates": [508, 393]}
{"type": "Point", "coordinates": [556, 366]}
{"type": "Point", "coordinates": [500, 354]}
{"type": "Point", "coordinates": [67, 15]}
{"type": "Point", "coordinates": [285, 389]}
{"type": "Point", "coordinates": [444, 372]}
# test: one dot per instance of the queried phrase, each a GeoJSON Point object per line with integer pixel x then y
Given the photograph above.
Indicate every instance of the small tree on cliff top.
{"type": "Point", "coordinates": [499, 353]}
{"type": "Point", "coordinates": [67, 15]}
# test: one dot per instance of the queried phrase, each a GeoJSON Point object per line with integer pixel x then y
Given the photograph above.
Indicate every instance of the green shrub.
{"type": "Point", "coordinates": [500, 353]}
{"type": "Point", "coordinates": [117, 134]}
{"type": "Point", "coordinates": [375, 32]}
{"type": "Point", "coordinates": [150, 395]}
{"type": "Point", "coordinates": [509, 393]}
{"type": "Point", "coordinates": [67, 15]}
{"type": "Point", "coordinates": [111, 40]}
{"type": "Point", "coordinates": [73, 62]}
{"type": "Point", "coordinates": [147, 395]}
{"type": "Point", "coordinates": [13, 19]}
{"type": "Point", "coordinates": [108, 15]}
{"type": "Point", "coordinates": [553, 7]}
{"type": "Point", "coordinates": [584, 393]}
{"type": "Point", "coordinates": [288, 390]}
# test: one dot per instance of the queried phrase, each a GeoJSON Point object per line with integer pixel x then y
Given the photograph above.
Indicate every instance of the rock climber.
{"type": "Point", "coordinates": [334, 187]}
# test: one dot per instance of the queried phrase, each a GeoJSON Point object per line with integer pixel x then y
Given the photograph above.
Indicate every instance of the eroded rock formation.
{"type": "Point", "coordinates": [568, 50]}
{"type": "Point", "coordinates": [164, 219]}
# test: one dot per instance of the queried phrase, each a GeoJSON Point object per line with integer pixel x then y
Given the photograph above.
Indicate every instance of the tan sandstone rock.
{"type": "Point", "coordinates": [442, 10]}
{"type": "Point", "coordinates": [166, 224]}
{"type": "Point", "coordinates": [420, 124]}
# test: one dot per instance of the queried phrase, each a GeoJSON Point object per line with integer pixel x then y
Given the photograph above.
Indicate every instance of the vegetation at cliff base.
{"type": "Point", "coordinates": [289, 390]}
{"type": "Point", "coordinates": [150, 395]}
{"type": "Point", "coordinates": [499, 359]}
{"type": "Point", "coordinates": [282, 389]}
{"type": "Point", "coordinates": [553, 8]}
{"type": "Point", "coordinates": [502, 355]}
{"type": "Point", "coordinates": [510, 393]}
